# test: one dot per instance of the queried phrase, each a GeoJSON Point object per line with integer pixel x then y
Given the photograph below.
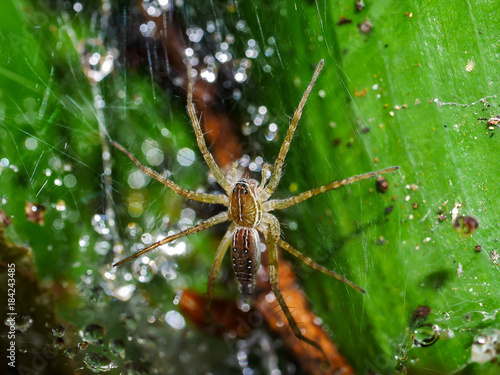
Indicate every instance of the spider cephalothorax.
{"type": "Point", "coordinates": [245, 206]}
{"type": "Point", "coordinates": [248, 212]}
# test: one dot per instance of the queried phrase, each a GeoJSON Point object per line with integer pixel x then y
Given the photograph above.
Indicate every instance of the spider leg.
{"type": "Point", "coordinates": [280, 160]}
{"type": "Point", "coordinates": [209, 159]}
{"type": "Point", "coordinates": [200, 197]}
{"type": "Point", "coordinates": [217, 219]}
{"type": "Point", "coordinates": [234, 170]}
{"type": "Point", "coordinates": [219, 255]}
{"type": "Point", "coordinates": [280, 204]}
{"type": "Point", "coordinates": [275, 232]}
{"type": "Point", "coordinates": [266, 168]}
{"type": "Point", "coordinates": [274, 280]}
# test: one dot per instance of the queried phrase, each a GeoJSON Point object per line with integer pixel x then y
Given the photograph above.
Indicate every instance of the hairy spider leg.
{"type": "Point", "coordinates": [234, 170]}
{"type": "Point", "coordinates": [209, 159]}
{"type": "Point", "coordinates": [214, 220]}
{"type": "Point", "coordinates": [266, 168]}
{"type": "Point", "coordinates": [280, 204]}
{"type": "Point", "coordinates": [274, 281]}
{"type": "Point", "coordinates": [280, 160]}
{"type": "Point", "coordinates": [200, 197]}
{"type": "Point", "coordinates": [219, 255]}
{"type": "Point", "coordinates": [275, 232]}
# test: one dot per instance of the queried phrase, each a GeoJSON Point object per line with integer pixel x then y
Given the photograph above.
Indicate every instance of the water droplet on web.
{"type": "Point", "coordinates": [133, 230]}
{"type": "Point", "coordinates": [168, 270]}
{"type": "Point", "coordinates": [123, 293]}
{"type": "Point", "coordinates": [83, 242]}
{"type": "Point", "coordinates": [253, 50]}
{"type": "Point", "coordinates": [241, 26]}
{"type": "Point", "coordinates": [117, 348]}
{"type": "Point", "coordinates": [23, 322]}
{"type": "Point", "coordinates": [154, 156]}
{"type": "Point", "coordinates": [426, 335]}
{"type": "Point", "coordinates": [102, 247]}
{"type": "Point", "coordinates": [100, 224]}
{"type": "Point", "coordinates": [77, 7]}
{"type": "Point", "coordinates": [69, 180]}
{"type": "Point", "coordinates": [93, 334]}
{"type": "Point", "coordinates": [486, 346]}
{"type": "Point", "coordinates": [175, 320]}
{"type": "Point", "coordinates": [177, 248]}
{"type": "Point", "coordinates": [98, 363]}
{"type": "Point", "coordinates": [144, 269]}
{"type": "Point", "coordinates": [189, 214]}
{"type": "Point", "coordinates": [137, 179]}
{"type": "Point", "coordinates": [185, 157]}
{"type": "Point", "coordinates": [146, 238]}
{"type": "Point", "coordinates": [59, 343]}
{"type": "Point", "coordinates": [195, 34]}
{"type": "Point", "coordinates": [72, 352]}
{"type": "Point", "coordinates": [58, 331]}
{"type": "Point", "coordinates": [208, 74]}
{"type": "Point", "coordinates": [97, 60]}
{"type": "Point", "coordinates": [31, 143]}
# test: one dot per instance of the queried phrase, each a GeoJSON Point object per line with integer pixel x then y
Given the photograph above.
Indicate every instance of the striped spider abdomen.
{"type": "Point", "coordinates": [245, 253]}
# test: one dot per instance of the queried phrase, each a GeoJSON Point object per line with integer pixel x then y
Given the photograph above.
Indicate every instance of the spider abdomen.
{"type": "Point", "coordinates": [245, 252]}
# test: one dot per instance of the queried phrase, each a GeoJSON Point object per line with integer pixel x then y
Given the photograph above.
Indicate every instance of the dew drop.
{"type": "Point", "coordinates": [72, 352]}
{"type": "Point", "coordinates": [175, 320]}
{"type": "Point", "coordinates": [195, 34]}
{"type": "Point", "coordinates": [31, 143]}
{"type": "Point", "coordinates": [133, 230]}
{"type": "Point", "coordinates": [168, 270]}
{"type": "Point", "coordinates": [486, 346]}
{"type": "Point", "coordinates": [137, 179]}
{"type": "Point", "coordinates": [69, 180]}
{"type": "Point", "coordinates": [59, 343]}
{"type": "Point", "coordinates": [60, 205]}
{"type": "Point", "coordinates": [124, 292]}
{"type": "Point", "coordinates": [98, 363]}
{"type": "Point", "coordinates": [117, 348]}
{"type": "Point", "coordinates": [77, 7]}
{"type": "Point", "coordinates": [144, 269]}
{"type": "Point", "coordinates": [186, 157]}
{"type": "Point", "coordinates": [58, 331]}
{"type": "Point", "coordinates": [102, 247]}
{"type": "Point", "coordinates": [100, 224]}
{"type": "Point", "coordinates": [23, 322]}
{"type": "Point", "coordinates": [93, 334]}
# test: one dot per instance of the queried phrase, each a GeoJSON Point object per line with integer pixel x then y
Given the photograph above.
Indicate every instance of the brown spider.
{"type": "Point", "coordinates": [248, 212]}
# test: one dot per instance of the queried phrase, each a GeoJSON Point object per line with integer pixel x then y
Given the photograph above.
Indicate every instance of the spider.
{"type": "Point", "coordinates": [249, 212]}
